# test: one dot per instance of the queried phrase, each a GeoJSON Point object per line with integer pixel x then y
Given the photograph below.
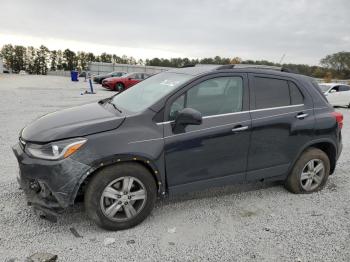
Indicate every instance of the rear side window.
{"type": "Point", "coordinates": [344, 88]}
{"type": "Point", "coordinates": [271, 92]}
{"type": "Point", "coordinates": [296, 96]}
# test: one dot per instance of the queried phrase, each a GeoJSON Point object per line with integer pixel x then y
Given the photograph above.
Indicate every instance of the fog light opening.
{"type": "Point", "coordinates": [35, 186]}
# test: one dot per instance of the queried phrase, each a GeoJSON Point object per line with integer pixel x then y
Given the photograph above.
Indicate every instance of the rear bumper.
{"type": "Point", "coordinates": [50, 185]}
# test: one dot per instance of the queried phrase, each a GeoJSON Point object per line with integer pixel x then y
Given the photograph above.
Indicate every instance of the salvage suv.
{"type": "Point", "coordinates": [179, 131]}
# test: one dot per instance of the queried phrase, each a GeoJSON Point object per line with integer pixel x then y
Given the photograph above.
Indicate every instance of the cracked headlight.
{"type": "Point", "coordinates": [55, 150]}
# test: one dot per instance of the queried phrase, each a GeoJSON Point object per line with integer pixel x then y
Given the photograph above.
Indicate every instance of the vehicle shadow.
{"type": "Point", "coordinates": [76, 214]}
{"type": "Point", "coordinates": [217, 192]}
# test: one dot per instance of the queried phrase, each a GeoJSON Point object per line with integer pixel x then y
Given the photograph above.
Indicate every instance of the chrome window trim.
{"type": "Point", "coordinates": [240, 112]}
{"type": "Point", "coordinates": [287, 113]}
{"type": "Point", "coordinates": [279, 107]}
{"type": "Point", "coordinates": [208, 128]}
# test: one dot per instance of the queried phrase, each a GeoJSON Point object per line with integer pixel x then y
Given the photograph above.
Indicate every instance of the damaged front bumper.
{"type": "Point", "coordinates": [49, 185]}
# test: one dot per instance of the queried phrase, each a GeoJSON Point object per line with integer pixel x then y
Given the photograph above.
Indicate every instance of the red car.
{"type": "Point", "coordinates": [124, 82]}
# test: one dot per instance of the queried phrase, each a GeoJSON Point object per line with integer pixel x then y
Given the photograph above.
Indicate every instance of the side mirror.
{"type": "Point", "coordinates": [187, 116]}
{"type": "Point", "coordinates": [130, 78]}
{"type": "Point", "coordinates": [333, 91]}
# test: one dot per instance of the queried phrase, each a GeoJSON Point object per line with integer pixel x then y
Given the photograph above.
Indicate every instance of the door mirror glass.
{"type": "Point", "coordinates": [187, 116]}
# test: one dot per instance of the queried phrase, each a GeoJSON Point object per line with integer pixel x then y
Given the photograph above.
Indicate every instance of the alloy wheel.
{"type": "Point", "coordinates": [123, 198]}
{"type": "Point", "coordinates": [312, 174]}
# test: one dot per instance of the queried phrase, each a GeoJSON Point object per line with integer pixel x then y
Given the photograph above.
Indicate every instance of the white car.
{"type": "Point", "coordinates": [337, 94]}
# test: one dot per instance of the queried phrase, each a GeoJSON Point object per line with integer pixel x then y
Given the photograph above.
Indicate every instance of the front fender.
{"type": "Point", "coordinates": [155, 167]}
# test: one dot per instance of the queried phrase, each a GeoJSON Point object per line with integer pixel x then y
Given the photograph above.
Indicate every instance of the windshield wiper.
{"type": "Point", "coordinates": [115, 107]}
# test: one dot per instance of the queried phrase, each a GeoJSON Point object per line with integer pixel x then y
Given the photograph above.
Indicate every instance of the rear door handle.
{"type": "Point", "coordinates": [240, 128]}
{"type": "Point", "coordinates": [301, 115]}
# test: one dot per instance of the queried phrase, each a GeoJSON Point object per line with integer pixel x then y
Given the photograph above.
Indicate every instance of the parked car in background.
{"type": "Point", "coordinates": [99, 78]}
{"type": "Point", "coordinates": [124, 82]}
{"type": "Point", "coordinates": [337, 94]}
{"type": "Point", "coordinates": [180, 131]}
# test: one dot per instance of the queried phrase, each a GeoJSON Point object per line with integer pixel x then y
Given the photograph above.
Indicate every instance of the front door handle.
{"type": "Point", "coordinates": [240, 128]}
{"type": "Point", "coordinates": [301, 115]}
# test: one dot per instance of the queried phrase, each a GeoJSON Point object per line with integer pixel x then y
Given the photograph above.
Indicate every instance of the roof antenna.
{"type": "Point", "coordinates": [284, 55]}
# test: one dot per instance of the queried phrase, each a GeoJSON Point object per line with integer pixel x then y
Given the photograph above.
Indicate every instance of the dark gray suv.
{"type": "Point", "coordinates": [179, 131]}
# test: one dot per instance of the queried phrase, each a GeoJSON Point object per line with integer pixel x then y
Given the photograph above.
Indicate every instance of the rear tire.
{"type": "Point", "coordinates": [111, 205]}
{"type": "Point", "coordinates": [310, 172]}
{"type": "Point", "coordinates": [119, 87]}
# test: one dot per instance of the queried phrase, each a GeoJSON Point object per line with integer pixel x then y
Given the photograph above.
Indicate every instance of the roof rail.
{"type": "Point", "coordinates": [276, 68]}
{"type": "Point", "coordinates": [225, 67]}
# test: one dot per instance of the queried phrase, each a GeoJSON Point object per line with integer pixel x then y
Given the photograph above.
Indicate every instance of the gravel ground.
{"type": "Point", "coordinates": [257, 222]}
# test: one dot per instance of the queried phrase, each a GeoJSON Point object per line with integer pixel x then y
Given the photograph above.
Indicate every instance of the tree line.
{"type": "Point", "coordinates": [41, 60]}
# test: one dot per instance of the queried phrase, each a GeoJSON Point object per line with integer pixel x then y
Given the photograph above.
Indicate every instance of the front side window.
{"type": "Point", "coordinates": [271, 92]}
{"type": "Point", "coordinates": [335, 89]}
{"type": "Point", "coordinates": [215, 96]}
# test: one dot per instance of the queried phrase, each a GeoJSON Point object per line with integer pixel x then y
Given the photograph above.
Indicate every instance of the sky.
{"type": "Point", "coordinates": [303, 30]}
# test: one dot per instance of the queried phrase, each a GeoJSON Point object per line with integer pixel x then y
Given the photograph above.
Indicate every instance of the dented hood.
{"type": "Point", "coordinates": [73, 122]}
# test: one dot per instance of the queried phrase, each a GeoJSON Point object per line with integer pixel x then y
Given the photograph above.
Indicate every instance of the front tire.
{"type": "Point", "coordinates": [310, 172]}
{"type": "Point", "coordinates": [121, 196]}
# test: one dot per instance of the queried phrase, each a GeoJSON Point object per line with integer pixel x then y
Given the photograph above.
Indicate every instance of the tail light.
{"type": "Point", "coordinates": [339, 118]}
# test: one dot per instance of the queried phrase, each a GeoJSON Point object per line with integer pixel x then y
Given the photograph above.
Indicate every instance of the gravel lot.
{"type": "Point", "coordinates": [257, 222]}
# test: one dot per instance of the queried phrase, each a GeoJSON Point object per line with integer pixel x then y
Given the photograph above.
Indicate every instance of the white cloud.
{"type": "Point", "coordinates": [305, 30]}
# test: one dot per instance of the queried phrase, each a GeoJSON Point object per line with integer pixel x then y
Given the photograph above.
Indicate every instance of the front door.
{"type": "Point", "coordinates": [215, 152]}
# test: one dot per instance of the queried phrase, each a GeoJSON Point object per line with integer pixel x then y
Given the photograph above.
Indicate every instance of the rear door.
{"type": "Point", "coordinates": [215, 152]}
{"type": "Point", "coordinates": [282, 123]}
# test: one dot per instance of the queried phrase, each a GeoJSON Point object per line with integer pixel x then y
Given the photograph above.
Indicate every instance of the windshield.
{"type": "Point", "coordinates": [324, 88]}
{"type": "Point", "coordinates": [149, 91]}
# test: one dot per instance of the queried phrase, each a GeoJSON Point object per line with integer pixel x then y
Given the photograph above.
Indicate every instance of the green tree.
{"type": "Point", "coordinates": [42, 60]}
{"type": "Point", "coordinates": [60, 60]}
{"type": "Point", "coordinates": [19, 58]}
{"type": "Point", "coordinates": [69, 60]}
{"type": "Point", "coordinates": [7, 53]}
{"type": "Point", "coordinates": [53, 60]}
{"type": "Point", "coordinates": [106, 58]}
{"type": "Point", "coordinates": [83, 59]}
{"type": "Point", "coordinates": [339, 62]}
{"type": "Point", "coordinates": [30, 63]}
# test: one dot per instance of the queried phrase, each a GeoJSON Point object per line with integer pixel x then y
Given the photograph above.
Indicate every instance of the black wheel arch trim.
{"type": "Point", "coordinates": [123, 158]}
{"type": "Point", "coordinates": [314, 143]}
